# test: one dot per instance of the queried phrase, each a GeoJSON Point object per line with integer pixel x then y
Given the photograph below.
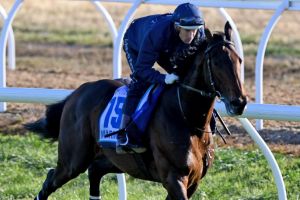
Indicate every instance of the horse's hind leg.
{"type": "Point", "coordinates": [55, 179]}
{"type": "Point", "coordinates": [75, 153]}
{"type": "Point", "coordinates": [97, 170]}
{"type": "Point", "coordinates": [58, 177]}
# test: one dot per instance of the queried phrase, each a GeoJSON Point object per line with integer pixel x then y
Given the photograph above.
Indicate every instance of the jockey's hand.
{"type": "Point", "coordinates": [171, 78]}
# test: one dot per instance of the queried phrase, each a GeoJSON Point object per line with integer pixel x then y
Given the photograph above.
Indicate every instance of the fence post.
{"type": "Point", "coordinates": [114, 33]}
{"type": "Point", "coordinates": [268, 155]}
{"type": "Point", "coordinates": [237, 40]}
{"type": "Point", "coordinates": [261, 54]}
{"type": "Point", "coordinates": [117, 64]}
{"type": "Point", "coordinates": [11, 43]}
{"type": "Point", "coordinates": [3, 42]}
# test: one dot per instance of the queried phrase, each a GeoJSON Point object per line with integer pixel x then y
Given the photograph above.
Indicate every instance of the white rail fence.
{"type": "Point", "coordinates": [256, 111]}
{"type": "Point", "coordinates": [11, 41]}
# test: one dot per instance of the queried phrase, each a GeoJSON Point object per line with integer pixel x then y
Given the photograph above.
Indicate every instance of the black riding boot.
{"type": "Point", "coordinates": [123, 144]}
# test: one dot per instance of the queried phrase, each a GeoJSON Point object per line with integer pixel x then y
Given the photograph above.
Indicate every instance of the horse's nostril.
{"type": "Point", "coordinates": [236, 103]}
{"type": "Point", "coordinates": [237, 106]}
{"type": "Point", "coordinates": [242, 101]}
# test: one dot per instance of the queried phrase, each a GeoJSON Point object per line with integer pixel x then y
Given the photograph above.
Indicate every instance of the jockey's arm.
{"type": "Point", "coordinates": [148, 55]}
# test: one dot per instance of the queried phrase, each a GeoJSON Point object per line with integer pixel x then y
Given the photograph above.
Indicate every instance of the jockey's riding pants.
{"type": "Point", "coordinates": [137, 87]}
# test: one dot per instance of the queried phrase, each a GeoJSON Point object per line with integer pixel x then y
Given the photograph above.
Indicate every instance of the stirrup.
{"type": "Point", "coordinates": [122, 139]}
{"type": "Point", "coordinates": [127, 147]}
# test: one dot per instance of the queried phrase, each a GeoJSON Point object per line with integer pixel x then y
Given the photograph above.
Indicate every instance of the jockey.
{"type": "Point", "coordinates": [167, 39]}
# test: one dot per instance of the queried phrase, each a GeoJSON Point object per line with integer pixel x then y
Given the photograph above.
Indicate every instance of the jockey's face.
{"type": "Point", "coordinates": [186, 35]}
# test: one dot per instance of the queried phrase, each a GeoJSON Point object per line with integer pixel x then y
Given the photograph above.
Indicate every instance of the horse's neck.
{"type": "Point", "coordinates": [198, 109]}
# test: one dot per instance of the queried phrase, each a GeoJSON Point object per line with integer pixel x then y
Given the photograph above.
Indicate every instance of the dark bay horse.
{"type": "Point", "coordinates": [178, 138]}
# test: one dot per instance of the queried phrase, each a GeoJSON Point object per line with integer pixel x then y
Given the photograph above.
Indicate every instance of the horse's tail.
{"type": "Point", "coordinates": [48, 126]}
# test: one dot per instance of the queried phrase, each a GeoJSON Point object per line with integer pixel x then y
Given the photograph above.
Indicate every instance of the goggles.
{"type": "Point", "coordinates": [190, 23]}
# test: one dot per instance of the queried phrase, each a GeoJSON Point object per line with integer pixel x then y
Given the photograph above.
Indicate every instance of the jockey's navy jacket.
{"type": "Point", "coordinates": [154, 39]}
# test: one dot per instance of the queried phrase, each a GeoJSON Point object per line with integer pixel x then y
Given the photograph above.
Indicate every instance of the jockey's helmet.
{"type": "Point", "coordinates": [188, 16]}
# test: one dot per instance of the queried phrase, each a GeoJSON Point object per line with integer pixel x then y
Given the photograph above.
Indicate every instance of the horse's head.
{"type": "Point", "coordinates": [222, 71]}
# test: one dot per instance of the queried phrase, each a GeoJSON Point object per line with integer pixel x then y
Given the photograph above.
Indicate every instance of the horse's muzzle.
{"type": "Point", "coordinates": [236, 106]}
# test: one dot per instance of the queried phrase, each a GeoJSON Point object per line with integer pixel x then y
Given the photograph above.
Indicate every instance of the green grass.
{"type": "Point", "coordinates": [64, 36]}
{"type": "Point", "coordinates": [275, 46]}
{"type": "Point", "coordinates": [236, 174]}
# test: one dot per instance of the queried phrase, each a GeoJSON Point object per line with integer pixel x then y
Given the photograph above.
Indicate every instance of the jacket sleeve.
{"type": "Point", "coordinates": [148, 55]}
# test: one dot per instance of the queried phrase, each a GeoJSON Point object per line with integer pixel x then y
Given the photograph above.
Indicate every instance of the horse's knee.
{"type": "Point", "coordinates": [176, 186]}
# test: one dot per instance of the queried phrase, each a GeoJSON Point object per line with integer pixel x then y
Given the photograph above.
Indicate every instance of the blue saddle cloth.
{"type": "Point", "coordinates": [110, 119]}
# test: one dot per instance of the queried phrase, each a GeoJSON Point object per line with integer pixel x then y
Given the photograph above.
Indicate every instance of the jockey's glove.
{"type": "Point", "coordinates": [171, 78]}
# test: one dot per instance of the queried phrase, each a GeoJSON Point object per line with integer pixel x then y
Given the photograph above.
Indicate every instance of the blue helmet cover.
{"type": "Point", "coordinates": [187, 14]}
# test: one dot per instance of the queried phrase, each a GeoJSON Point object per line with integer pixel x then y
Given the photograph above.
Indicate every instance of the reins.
{"type": "Point", "coordinates": [203, 93]}
{"type": "Point", "coordinates": [182, 111]}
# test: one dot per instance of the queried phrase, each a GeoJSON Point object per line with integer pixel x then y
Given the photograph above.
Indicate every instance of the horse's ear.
{"type": "Point", "coordinates": [228, 31]}
{"type": "Point", "coordinates": [208, 34]}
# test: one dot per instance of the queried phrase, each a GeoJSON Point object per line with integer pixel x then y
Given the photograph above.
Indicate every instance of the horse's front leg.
{"type": "Point", "coordinates": [176, 185]}
{"type": "Point", "coordinates": [99, 167]}
{"type": "Point", "coordinates": [95, 176]}
{"type": "Point", "coordinates": [173, 180]}
{"type": "Point", "coordinates": [173, 177]}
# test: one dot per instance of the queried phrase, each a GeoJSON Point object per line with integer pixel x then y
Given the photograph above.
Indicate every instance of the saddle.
{"type": "Point", "coordinates": [110, 119]}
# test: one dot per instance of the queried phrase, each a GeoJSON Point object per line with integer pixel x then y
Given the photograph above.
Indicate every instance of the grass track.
{"type": "Point", "coordinates": [236, 174]}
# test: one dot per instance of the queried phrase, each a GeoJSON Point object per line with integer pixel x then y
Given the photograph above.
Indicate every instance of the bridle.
{"type": "Point", "coordinates": [214, 92]}
{"type": "Point", "coordinates": [211, 94]}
